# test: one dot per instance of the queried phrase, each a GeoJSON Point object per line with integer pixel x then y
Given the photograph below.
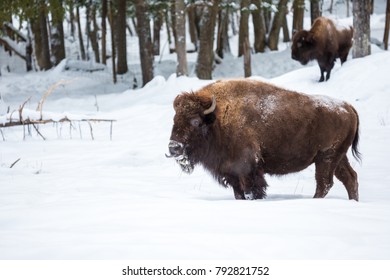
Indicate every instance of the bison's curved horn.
{"type": "Point", "coordinates": [212, 107]}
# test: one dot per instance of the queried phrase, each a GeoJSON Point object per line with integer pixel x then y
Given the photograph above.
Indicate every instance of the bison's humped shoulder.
{"type": "Point", "coordinates": [331, 104]}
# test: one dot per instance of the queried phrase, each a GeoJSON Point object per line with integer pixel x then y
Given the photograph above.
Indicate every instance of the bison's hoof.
{"type": "Point", "coordinates": [249, 196]}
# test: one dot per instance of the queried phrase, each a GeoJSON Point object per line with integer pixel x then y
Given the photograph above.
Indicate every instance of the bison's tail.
{"type": "Point", "coordinates": [355, 152]}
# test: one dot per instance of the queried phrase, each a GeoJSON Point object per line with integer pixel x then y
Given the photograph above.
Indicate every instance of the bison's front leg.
{"type": "Point", "coordinates": [238, 193]}
{"type": "Point", "coordinates": [322, 74]}
{"type": "Point", "coordinates": [253, 187]}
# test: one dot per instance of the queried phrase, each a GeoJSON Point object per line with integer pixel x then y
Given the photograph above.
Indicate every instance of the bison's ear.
{"type": "Point", "coordinates": [179, 101]}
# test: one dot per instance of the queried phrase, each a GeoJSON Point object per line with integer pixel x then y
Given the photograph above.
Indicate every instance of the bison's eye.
{"type": "Point", "coordinates": [195, 122]}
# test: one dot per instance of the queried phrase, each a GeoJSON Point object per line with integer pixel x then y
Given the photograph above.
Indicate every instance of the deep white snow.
{"type": "Point", "coordinates": [71, 197]}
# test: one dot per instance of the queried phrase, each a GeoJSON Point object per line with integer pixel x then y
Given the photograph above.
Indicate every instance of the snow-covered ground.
{"type": "Point", "coordinates": [71, 197]}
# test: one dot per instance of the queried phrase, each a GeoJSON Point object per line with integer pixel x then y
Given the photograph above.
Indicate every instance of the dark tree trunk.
{"type": "Point", "coordinates": [361, 24]}
{"type": "Point", "coordinates": [267, 15]}
{"type": "Point", "coordinates": [71, 18]}
{"type": "Point", "coordinates": [120, 29]}
{"type": "Point", "coordinates": [223, 45]}
{"type": "Point", "coordinates": [243, 35]}
{"type": "Point", "coordinates": [259, 27]}
{"type": "Point", "coordinates": [331, 7]}
{"type": "Point", "coordinates": [57, 33]}
{"type": "Point", "coordinates": [93, 35]}
{"type": "Point", "coordinates": [247, 58]}
{"type": "Point", "coordinates": [145, 40]}
{"type": "Point", "coordinates": [57, 42]}
{"type": "Point", "coordinates": [279, 16]}
{"type": "Point", "coordinates": [113, 47]}
{"type": "Point", "coordinates": [387, 26]}
{"type": "Point", "coordinates": [41, 39]}
{"type": "Point", "coordinates": [192, 25]}
{"type": "Point", "coordinates": [315, 10]}
{"type": "Point", "coordinates": [371, 7]}
{"type": "Point", "coordinates": [104, 31]}
{"type": "Point", "coordinates": [204, 64]}
{"type": "Point", "coordinates": [299, 10]}
{"type": "Point", "coordinates": [286, 33]}
{"type": "Point", "coordinates": [29, 51]}
{"type": "Point", "coordinates": [168, 27]}
{"type": "Point", "coordinates": [81, 42]}
{"type": "Point", "coordinates": [173, 24]}
{"type": "Point", "coordinates": [180, 40]}
{"type": "Point", "coordinates": [157, 23]}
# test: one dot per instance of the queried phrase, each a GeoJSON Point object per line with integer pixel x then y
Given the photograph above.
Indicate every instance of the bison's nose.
{"type": "Point", "coordinates": [175, 148]}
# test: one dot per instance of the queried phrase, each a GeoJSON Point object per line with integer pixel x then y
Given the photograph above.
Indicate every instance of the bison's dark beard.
{"type": "Point", "coordinates": [181, 157]}
{"type": "Point", "coordinates": [185, 163]}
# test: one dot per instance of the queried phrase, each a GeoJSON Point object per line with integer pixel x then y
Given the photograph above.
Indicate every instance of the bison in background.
{"type": "Point", "coordinates": [323, 42]}
{"type": "Point", "coordinates": [240, 130]}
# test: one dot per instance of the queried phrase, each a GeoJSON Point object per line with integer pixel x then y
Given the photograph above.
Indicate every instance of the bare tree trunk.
{"type": "Point", "coordinates": [192, 26]}
{"type": "Point", "coordinates": [157, 23]}
{"type": "Point", "coordinates": [173, 24]}
{"type": "Point", "coordinates": [120, 29]}
{"type": "Point", "coordinates": [299, 10]}
{"type": "Point", "coordinates": [104, 31]}
{"type": "Point", "coordinates": [273, 38]}
{"type": "Point", "coordinates": [41, 39]}
{"type": "Point", "coordinates": [223, 45]}
{"type": "Point", "coordinates": [204, 64]}
{"type": "Point", "coordinates": [331, 7]}
{"type": "Point", "coordinates": [113, 54]}
{"type": "Point", "coordinates": [361, 24]}
{"type": "Point", "coordinates": [93, 36]}
{"type": "Point", "coordinates": [145, 40]}
{"type": "Point", "coordinates": [57, 34]}
{"type": "Point", "coordinates": [71, 18]}
{"type": "Point", "coordinates": [372, 7]}
{"type": "Point", "coordinates": [259, 26]}
{"type": "Point", "coordinates": [180, 40]}
{"type": "Point", "coordinates": [81, 42]}
{"type": "Point", "coordinates": [315, 10]}
{"type": "Point", "coordinates": [267, 15]}
{"type": "Point", "coordinates": [29, 50]}
{"type": "Point", "coordinates": [387, 25]}
{"type": "Point", "coordinates": [57, 42]}
{"type": "Point", "coordinates": [243, 34]}
{"type": "Point", "coordinates": [247, 58]}
{"type": "Point", "coordinates": [286, 33]}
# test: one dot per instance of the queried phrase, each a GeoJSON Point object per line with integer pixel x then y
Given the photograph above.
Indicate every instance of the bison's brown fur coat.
{"type": "Point", "coordinates": [323, 42]}
{"type": "Point", "coordinates": [258, 128]}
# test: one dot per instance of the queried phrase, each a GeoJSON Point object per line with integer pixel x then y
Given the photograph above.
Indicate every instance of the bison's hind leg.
{"type": "Point", "coordinates": [326, 164]}
{"type": "Point", "coordinates": [348, 177]}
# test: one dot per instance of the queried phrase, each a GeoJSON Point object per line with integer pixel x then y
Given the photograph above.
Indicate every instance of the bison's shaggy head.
{"type": "Point", "coordinates": [194, 116]}
{"type": "Point", "coordinates": [303, 47]}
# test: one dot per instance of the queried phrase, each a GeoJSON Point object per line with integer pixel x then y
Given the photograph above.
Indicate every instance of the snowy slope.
{"type": "Point", "coordinates": [73, 198]}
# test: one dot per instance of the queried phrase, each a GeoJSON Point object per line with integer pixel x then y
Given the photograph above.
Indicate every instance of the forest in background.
{"type": "Point", "coordinates": [34, 30]}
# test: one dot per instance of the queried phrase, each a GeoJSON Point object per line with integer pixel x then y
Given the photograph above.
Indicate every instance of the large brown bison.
{"type": "Point", "coordinates": [323, 42]}
{"type": "Point", "coordinates": [240, 130]}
